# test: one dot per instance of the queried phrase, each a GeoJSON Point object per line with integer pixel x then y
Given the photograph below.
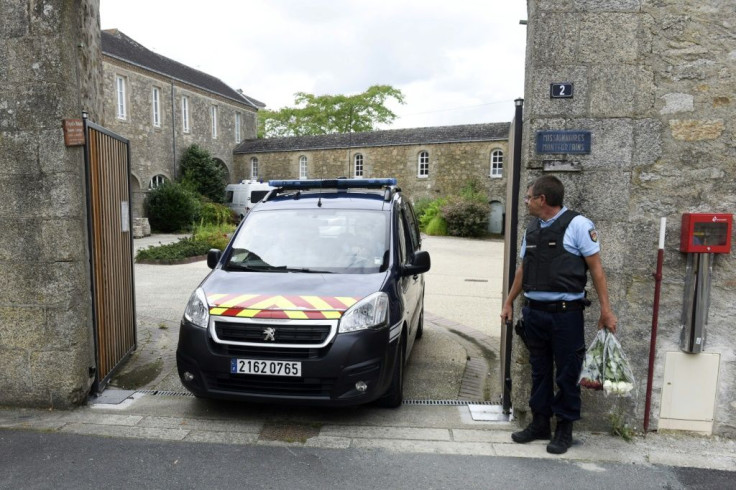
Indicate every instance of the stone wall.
{"type": "Point", "coordinates": [654, 82]}
{"type": "Point", "coordinates": [49, 70]}
{"type": "Point", "coordinates": [451, 166]}
{"type": "Point", "coordinates": [157, 150]}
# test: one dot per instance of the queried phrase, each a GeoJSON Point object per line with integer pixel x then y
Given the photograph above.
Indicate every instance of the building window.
{"type": "Point", "coordinates": [156, 107]}
{"type": "Point", "coordinates": [423, 170]}
{"type": "Point", "coordinates": [213, 118]}
{"type": "Point", "coordinates": [238, 119]}
{"type": "Point", "coordinates": [157, 181]}
{"type": "Point", "coordinates": [358, 165]}
{"type": "Point", "coordinates": [185, 113]}
{"type": "Point", "coordinates": [302, 167]}
{"type": "Point", "coordinates": [497, 164]}
{"type": "Point", "coordinates": [120, 83]}
{"type": "Point", "coordinates": [254, 168]}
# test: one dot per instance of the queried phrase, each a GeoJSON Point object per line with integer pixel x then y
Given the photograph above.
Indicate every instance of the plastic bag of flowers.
{"type": "Point", "coordinates": [617, 376]}
{"type": "Point", "coordinates": [591, 375]}
{"type": "Point", "coordinates": [606, 367]}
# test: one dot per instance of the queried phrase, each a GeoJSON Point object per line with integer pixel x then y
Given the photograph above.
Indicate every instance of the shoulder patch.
{"type": "Point", "coordinates": [593, 234]}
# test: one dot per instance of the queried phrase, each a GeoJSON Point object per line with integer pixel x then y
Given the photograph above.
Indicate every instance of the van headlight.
{"type": "Point", "coordinates": [197, 310]}
{"type": "Point", "coordinates": [369, 312]}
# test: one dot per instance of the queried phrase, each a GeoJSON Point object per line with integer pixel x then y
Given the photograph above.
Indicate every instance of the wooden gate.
{"type": "Point", "coordinates": [107, 158]}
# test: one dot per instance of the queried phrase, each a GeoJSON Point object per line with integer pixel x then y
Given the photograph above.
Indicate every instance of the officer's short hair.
{"type": "Point", "coordinates": [551, 187]}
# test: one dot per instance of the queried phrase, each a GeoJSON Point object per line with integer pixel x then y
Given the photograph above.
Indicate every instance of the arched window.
{"type": "Point", "coordinates": [254, 168]}
{"type": "Point", "coordinates": [156, 181]}
{"type": "Point", "coordinates": [497, 164]}
{"type": "Point", "coordinates": [302, 167]}
{"type": "Point", "coordinates": [423, 164]}
{"type": "Point", "coordinates": [358, 167]}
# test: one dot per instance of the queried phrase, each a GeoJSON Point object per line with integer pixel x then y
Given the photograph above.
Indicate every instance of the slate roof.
{"type": "Point", "coordinates": [391, 137]}
{"type": "Point", "coordinates": [119, 46]}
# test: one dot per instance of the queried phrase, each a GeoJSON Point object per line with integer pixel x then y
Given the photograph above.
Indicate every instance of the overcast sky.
{"type": "Point", "coordinates": [457, 62]}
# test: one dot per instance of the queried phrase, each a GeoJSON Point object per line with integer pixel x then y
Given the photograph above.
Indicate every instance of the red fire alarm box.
{"type": "Point", "coordinates": [706, 233]}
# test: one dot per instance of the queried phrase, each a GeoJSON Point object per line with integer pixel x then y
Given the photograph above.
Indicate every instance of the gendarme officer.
{"type": "Point", "coordinates": [559, 248]}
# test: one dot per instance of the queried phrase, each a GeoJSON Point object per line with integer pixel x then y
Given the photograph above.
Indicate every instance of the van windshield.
{"type": "Point", "coordinates": [312, 240]}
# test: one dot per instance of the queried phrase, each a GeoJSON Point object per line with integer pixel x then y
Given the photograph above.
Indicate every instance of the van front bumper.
{"type": "Point", "coordinates": [353, 369]}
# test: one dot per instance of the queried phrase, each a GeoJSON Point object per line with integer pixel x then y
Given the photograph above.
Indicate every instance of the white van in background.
{"type": "Point", "coordinates": [243, 196]}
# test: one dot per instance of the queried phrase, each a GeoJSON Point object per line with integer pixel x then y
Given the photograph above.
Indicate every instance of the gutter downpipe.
{"type": "Point", "coordinates": [173, 128]}
{"type": "Point", "coordinates": [513, 249]}
{"type": "Point", "coordinates": [655, 319]}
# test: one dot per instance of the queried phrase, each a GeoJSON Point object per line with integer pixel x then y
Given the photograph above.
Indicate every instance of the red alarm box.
{"type": "Point", "coordinates": [706, 233]}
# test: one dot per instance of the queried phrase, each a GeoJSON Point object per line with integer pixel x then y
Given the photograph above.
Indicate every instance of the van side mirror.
{"type": "Point", "coordinates": [213, 257]}
{"type": "Point", "coordinates": [419, 265]}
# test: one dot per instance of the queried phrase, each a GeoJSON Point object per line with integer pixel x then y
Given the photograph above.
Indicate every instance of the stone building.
{"type": "Point", "coordinates": [163, 107]}
{"type": "Point", "coordinates": [427, 162]}
{"type": "Point", "coordinates": [654, 86]}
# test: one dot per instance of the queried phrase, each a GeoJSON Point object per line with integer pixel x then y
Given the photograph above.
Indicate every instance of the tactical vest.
{"type": "Point", "coordinates": [547, 265]}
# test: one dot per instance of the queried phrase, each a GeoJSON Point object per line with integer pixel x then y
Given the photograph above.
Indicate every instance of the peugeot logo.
{"type": "Point", "coordinates": [269, 334]}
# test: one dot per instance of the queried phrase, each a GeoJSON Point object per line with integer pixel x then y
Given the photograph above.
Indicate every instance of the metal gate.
{"type": "Point", "coordinates": [107, 158]}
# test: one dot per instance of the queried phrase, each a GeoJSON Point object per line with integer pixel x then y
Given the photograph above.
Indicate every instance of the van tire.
{"type": "Point", "coordinates": [394, 396]}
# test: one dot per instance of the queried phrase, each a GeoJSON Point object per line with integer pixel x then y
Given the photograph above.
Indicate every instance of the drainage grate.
{"type": "Point", "coordinates": [447, 403]}
{"type": "Point", "coordinates": [450, 403]}
{"type": "Point", "coordinates": [164, 393]}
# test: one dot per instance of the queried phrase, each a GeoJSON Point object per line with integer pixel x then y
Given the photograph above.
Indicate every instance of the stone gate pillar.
{"type": "Point", "coordinates": [50, 70]}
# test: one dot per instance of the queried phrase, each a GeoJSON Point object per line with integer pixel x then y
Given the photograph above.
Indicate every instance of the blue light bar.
{"type": "Point", "coordinates": [332, 183]}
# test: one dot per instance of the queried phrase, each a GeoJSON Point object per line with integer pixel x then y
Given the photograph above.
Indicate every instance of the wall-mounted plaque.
{"type": "Point", "coordinates": [561, 90]}
{"type": "Point", "coordinates": [73, 132]}
{"type": "Point", "coordinates": [563, 141]}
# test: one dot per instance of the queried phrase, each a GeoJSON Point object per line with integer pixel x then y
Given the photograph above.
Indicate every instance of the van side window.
{"type": "Point", "coordinates": [229, 196]}
{"type": "Point", "coordinates": [403, 254]}
{"type": "Point", "coordinates": [412, 226]}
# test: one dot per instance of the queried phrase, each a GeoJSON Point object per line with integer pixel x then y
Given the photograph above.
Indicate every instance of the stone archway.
{"type": "Point", "coordinates": [224, 166]}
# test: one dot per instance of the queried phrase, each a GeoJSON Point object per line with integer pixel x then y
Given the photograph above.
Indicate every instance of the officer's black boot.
{"type": "Point", "coordinates": [563, 437]}
{"type": "Point", "coordinates": [538, 429]}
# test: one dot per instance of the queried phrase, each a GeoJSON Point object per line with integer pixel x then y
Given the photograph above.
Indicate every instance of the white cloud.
{"type": "Point", "coordinates": [456, 62]}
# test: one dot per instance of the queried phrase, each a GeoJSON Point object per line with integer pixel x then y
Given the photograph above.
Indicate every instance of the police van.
{"type": "Point", "coordinates": [243, 196]}
{"type": "Point", "coordinates": [317, 299]}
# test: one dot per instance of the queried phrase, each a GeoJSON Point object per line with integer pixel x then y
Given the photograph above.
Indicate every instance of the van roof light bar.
{"type": "Point", "coordinates": [332, 183]}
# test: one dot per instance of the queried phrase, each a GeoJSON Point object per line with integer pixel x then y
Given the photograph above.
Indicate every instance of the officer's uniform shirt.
{"type": "Point", "coordinates": [580, 239]}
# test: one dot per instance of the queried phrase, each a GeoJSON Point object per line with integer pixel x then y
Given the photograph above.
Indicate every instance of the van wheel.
{"type": "Point", "coordinates": [395, 393]}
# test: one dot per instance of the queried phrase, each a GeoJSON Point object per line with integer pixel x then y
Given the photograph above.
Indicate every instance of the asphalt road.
{"type": "Point", "coordinates": [38, 460]}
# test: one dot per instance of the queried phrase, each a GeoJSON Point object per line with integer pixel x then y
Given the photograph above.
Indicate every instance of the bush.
{"type": "Point", "coordinates": [171, 207]}
{"type": "Point", "coordinates": [436, 227]}
{"type": "Point", "coordinates": [431, 212]}
{"type": "Point", "coordinates": [466, 218]}
{"type": "Point", "coordinates": [204, 238]}
{"type": "Point", "coordinates": [215, 214]}
{"type": "Point", "coordinates": [172, 252]}
{"type": "Point", "coordinates": [217, 236]}
{"type": "Point", "coordinates": [201, 173]}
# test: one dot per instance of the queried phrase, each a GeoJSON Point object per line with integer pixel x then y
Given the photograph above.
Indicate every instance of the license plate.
{"type": "Point", "coordinates": [265, 368]}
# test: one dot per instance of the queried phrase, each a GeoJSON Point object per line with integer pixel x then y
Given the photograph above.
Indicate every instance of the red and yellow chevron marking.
{"type": "Point", "coordinates": [283, 307]}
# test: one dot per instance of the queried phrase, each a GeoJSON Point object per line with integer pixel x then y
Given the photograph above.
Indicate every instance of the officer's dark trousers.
{"type": "Point", "coordinates": [556, 344]}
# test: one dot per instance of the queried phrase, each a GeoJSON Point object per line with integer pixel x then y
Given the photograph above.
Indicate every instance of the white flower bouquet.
{"type": "Point", "coordinates": [605, 366]}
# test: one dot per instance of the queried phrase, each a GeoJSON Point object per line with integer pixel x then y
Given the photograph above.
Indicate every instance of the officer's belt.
{"type": "Point", "coordinates": [554, 306]}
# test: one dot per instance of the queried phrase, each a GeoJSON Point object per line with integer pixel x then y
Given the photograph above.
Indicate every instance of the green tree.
{"type": "Point", "coordinates": [201, 173]}
{"type": "Point", "coordinates": [325, 114]}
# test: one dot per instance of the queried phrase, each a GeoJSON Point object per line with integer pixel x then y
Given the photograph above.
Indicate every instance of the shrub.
{"type": "Point", "coordinates": [466, 218]}
{"type": "Point", "coordinates": [172, 252]}
{"type": "Point", "coordinates": [171, 208]}
{"type": "Point", "coordinates": [421, 205]}
{"type": "Point", "coordinates": [431, 211]}
{"type": "Point", "coordinates": [201, 173]}
{"type": "Point", "coordinates": [436, 227]}
{"type": "Point", "coordinates": [215, 214]}
{"type": "Point", "coordinates": [216, 235]}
